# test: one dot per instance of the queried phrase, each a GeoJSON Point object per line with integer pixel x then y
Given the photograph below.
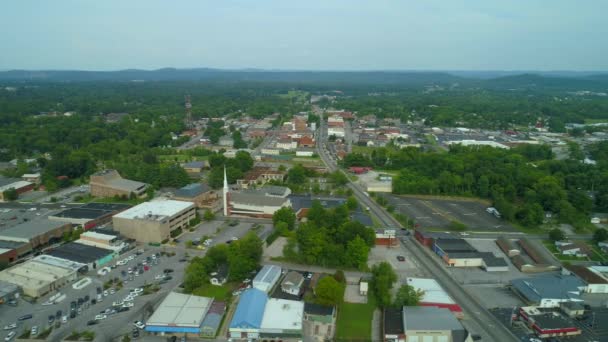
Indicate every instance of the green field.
{"type": "Point", "coordinates": [594, 121]}
{"type": "Point", "coordinates": [355, 321]}
{"type": "Point", "coordinates": [218, 292]}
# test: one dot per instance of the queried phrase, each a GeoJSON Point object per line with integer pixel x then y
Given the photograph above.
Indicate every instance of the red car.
{"type": "Point", "coordinates": [146, 268]}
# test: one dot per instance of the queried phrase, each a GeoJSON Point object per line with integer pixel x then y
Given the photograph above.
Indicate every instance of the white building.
{"type": "Point", "coordinates": [477, 143]}
{"type": "Point", "coordinates": [282, 318]}
{"type": "Point", "coordinates": [267, 278]}
{"type": "Point", "coordinates": [336, 131]}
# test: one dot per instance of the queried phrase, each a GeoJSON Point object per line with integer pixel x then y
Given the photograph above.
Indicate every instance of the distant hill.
{"type": "Point", "coordinates": [558, 80]}
{"type": "Point", "coordinates": [167, 74]}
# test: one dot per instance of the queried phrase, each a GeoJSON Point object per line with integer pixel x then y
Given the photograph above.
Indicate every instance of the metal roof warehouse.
{"type": "Point", "coordinates": [179, 313]}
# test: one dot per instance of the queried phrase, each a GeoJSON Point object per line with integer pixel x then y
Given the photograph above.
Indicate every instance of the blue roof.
{"type": "Point", "coordinates": [249, 312]}
{"type": "Point", "coordinates": [192, 190]}
{"type": "Point", "coordinates": [563, 287]}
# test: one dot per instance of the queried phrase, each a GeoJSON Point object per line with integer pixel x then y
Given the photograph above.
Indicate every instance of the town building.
{"type": "Point", "coordinates": [104, 241]}
{"type": "Point", "coordinates": [392, 325]}
{"type": "Point", "coordinates": [292, 283]}
{"type": "Point", "coordinates": [508, 246]}
{"type": "Point", "coordinates": [247, 319]}
{"type": "Point", "coordinates": [594, 277]}
{"type": "Point", "coordinates": [434, 295]}
{"type": "Point", "coordinates": [90, 215]}
{"type": "Point", "coordinates": [32, 177]}
{"type": "Point", "coordinates": [547, 324]}
{"type": "Point", "coordinates": [20, 186]}
{"type": "Point", "coordinates": [109, 183]}
{"type": "Point", "coordinates": [8, 292]}
{"type": "Point", "coordinates": [286, 144]}
{"type": "Point", "coordinates": [195, 167]}
{"type": "Point", "coordinates": [36, 279]}
{"type": "Point", "coordinates": [266, 278]}
{"type": "Point", "coordinates": [213, 319]}
{"type": "Point", "coordinates": [36, 234]}
{"type": "Point", "coordinates": [200, 194]}
{"type": "Point", "coordinates": [432, 324]}
{"type": "Point", "coordinates": [262, 202]}
{"type": "Point", "coordinates": [282, 319]}
{"type": "Point", "coordinates": [305, 152]}
{"type": "Point", "coordinates": [179, 314]}
{"type": "Point", "coordinates": [548, 291]}
{"type": "Point", "coordinates": [92, 256]}
{"type": "Point", "coordinates": [155, 220]}
{"type": "Point", "coordinates": [319, 323]}
{"type": "Point", "coordinates": [260, 175]}
{"type": "Point", "coordinates": [386, 237]}
{"type": "Point", "coordinates": [219, 276]}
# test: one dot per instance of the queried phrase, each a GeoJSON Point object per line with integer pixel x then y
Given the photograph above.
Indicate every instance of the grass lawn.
{"type": "Point", "coordinates": [355, 321]}
{"type": "Point", "coordinates": [593, 121]}
{"type": "Point", "coordinates": [218, 292]}
{"type": "Point", "coordinates": [551, 247]}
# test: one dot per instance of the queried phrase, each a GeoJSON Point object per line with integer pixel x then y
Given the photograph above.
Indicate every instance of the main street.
{"type": "Point", "coordinates": [486, 324]}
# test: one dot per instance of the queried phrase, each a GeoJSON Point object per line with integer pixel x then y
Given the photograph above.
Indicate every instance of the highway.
{"type": "Point", "coordinates": [486, 324]}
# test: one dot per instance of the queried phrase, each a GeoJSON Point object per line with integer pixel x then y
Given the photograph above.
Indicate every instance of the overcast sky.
{"type": "Point", "coordinates": [305, 34]}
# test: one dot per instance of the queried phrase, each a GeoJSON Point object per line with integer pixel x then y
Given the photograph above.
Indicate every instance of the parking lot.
{"type": "Point", "coordinates": [437, 213]}
{"type": "Point", "coordinates": [116, 323]}
{"type": "Point", "coordinates": [404, 269]}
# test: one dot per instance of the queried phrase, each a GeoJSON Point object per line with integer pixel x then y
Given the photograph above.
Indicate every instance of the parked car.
{"type": "Point", "coordinates": [168, 270]}
{"type": "Point", "coordinates": [400, 258]}
{"type": "Point", "coordinates": [10, 336]}
{"type": "Point", "coordinates": [64, 319]}
{"type": "Point", "coordinates": [139, 324]}
{"type": "Point", "coordinates": [51, 319]}
{"type": "Point", "coordinates": [34, 331]}
{"type": "Point", "coordinates": [123, 309]}
{"type": "Point", "coordinates": [92, 322]}
{"type": "Point", "coordinates": [24, 317]}
{"type": "Point", "coordinates": [100, 317]}
{"type": "Point", "coordinates": [10, 326]}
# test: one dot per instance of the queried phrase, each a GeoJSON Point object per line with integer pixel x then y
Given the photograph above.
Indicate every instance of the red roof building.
{"type": "Point", "coordinates": [306, 141]}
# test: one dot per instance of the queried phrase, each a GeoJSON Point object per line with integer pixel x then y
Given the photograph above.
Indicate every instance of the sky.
{"type": "Point", "coordinates": [516, 35]}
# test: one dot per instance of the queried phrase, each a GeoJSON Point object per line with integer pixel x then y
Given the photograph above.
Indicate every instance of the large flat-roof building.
{"type": "Point", "coordinates": [432, 324]}
{"type": "Point", "coordinates": [36, 278]}
{"type": "Point", "coordinates": [109, 183]}
{"type": "Point", "coordinates": [247, 319]}
{"type": "Point", "coordinates": [262, 202]}
{"type": "Point", "coordinates": [36, 233]}
{"type": "Point", "coordinates": [549, 291]}
{"type": "Point", "coordinates": [91, 256]}
{"type": "Point", "coordinates": [89, 215]}
{"type": "Point", "coordinates": [155, 220]}
{"type": "Point", "coordinates": [434, 295]}
{"type": "Point", "coordinates": [179, 313]}
{"type": "Point", "coordinates": [282, 319]}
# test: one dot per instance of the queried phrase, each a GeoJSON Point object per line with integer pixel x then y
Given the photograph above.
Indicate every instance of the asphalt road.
{"type": "Point", "coordinates": [484, 323]}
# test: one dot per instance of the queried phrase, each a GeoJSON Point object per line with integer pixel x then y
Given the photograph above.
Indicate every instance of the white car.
{"type": "Point", "coordinates": [105, 293]}
{"type": "Point", "coordinates": [64, 319]}
{"type": "Point", "coordinates": [112, 291]}
{"type": "Point", "coordinates": [159, 276]}
{"type": "Point", "coordinates": [10, 336]}
{"type": "Point", "coordinates": [10, 326]}
{"type": "Point", "coordinates": [139, 324]}
{"type": "Point", "coordinates": [118, 303]}
{"type": "Point", "coordinates": [131, 257]}
{"type": "Point", "coordinates": [137, 290]}
{"type": "Point", "coordinates": [128, 305]}
{"type": "Point", "coordinates": [121, 262]}
{"type": "Point", "coordinates": [128, 298]}
{"type": "Point", "coordinates": [34, 331]}
{"type": "Point", "coordinates": [464, 234]}
{"type": "Point", "coordinates": [153, 256]}
{"type": "Point", "coordinates": [130, 270]}
{"type": "Point", "coordinates": [100, 317]}
{"type": "Point", "coordinates": [234, 238]}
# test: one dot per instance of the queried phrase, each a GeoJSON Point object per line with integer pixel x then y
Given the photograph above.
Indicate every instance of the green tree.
{"type": "Point", "coordinates": [286, 215]}
{"type": "Point", "coordinates": [600, 235]}
{"type": "Point", "coordinates": [238, 140]}
{"type": "Point", "coordinates": [244, 256]}
{"type": "Point", "coordinates": [407, 295]}
{"type": "Point", "coordinates": [383, 278]}
{"type": "Point", "coordinates": [208, 215]}
{"type": "Point", "coordinates": [296, 175]}
{"type": "Point", "coordinates": [356, 253]}
{"type": "Point", "coordinates": [329, 291]}
{"type": "Point", "coordinates": [10, 194]}
{"type": "Point", "coordinates": [352, 203]}
{"type": "Point", "coordinates": [316, 213]}
{"type": "Point", "coordinates": [556, 234]}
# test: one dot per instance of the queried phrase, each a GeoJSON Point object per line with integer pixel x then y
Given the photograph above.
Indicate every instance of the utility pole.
{"type": "Point", "coordinates": [188, 106]}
